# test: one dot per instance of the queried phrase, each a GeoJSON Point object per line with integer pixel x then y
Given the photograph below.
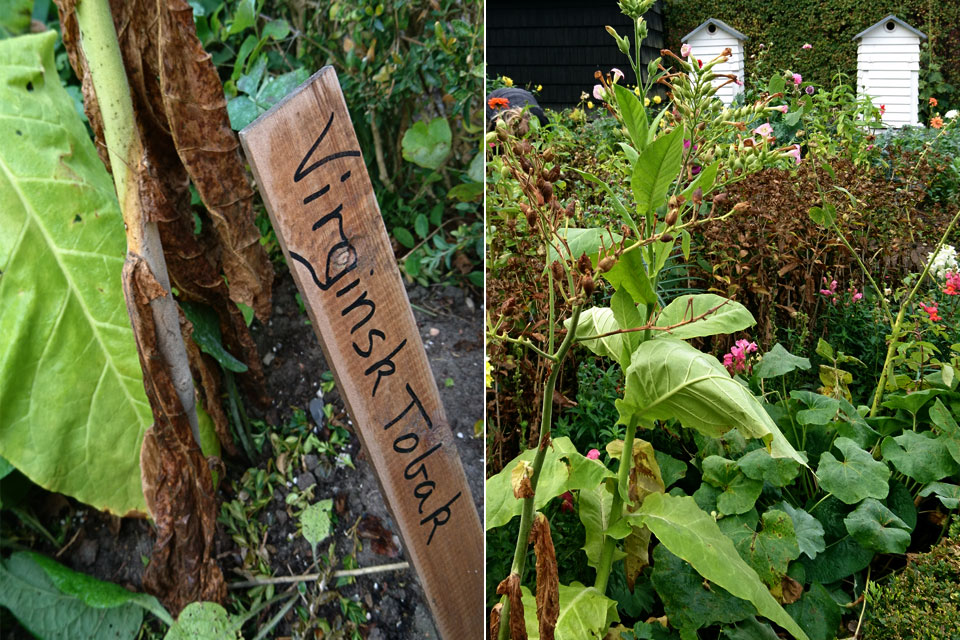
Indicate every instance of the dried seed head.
{"type": "Point", "coordinates": [571, 207]}
{"type": "Point", "coordinates": [548, 155]}
{"type": "Point", "coordinates": [553, 174]}
{"type": "Point", "coordinates": [671, 217]}
{"type": "Point", "coordinates": [720, 198]}
{"type": "Point", "coordinates": [741, 206]}
{"type": "Point", "coordinates": [697, 196]}
{"type": "Point", "coordinates": [546, 189]}
{"type": "Point", "coordinates": [526, 165]}
{"type": "Point", "coordinates": [584, 265]}
{"type": "Point", "coordinates": [525, 147]}
{"type": "Point", "coordinates": [557, 269]}
{"type": "Point", "coordinates": [586, 283]}
{"type": "Point", "coordinates": [666, 237]}
{"type": "Point", "coordinates": [606, 263]}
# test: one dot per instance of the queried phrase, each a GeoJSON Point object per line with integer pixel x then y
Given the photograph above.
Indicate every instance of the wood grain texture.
{"type": "Point", "coordinates": [310, 171]}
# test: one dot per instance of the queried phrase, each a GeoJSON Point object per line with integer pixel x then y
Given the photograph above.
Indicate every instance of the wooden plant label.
{"type": "Point", "coordinates": [307, 162]}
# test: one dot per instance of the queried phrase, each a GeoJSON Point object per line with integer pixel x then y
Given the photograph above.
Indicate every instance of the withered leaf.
{"type": "Point", "coordinates": [790, 590]}
{"type": "Point", "coordinates": [644, 471]}
{"type": "Point", "coordinates": [637, 547]}
{"type": "Point", "coordinates": [510, 587]}
{"type": "Point", "coordinates": [381, 538]}
{"type": "Point", "coordinates": [548, 581]}
{"type": "Point", "coordinates": [495, 620]}
{"type": "Point", "coordinates": [520, 480]}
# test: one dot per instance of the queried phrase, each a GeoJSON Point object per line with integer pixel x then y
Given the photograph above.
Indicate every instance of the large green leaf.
{"type": "Point", "coordinates": [808, 529]}
{"type": "Point", "coordinates": [769, 550]}
{"type": "Point", "coordinates": [948, 494]}
{"type": "Point", "coordinates": [597, 321]}
{"type": "Point", "coordinates": [656, 169]}
{"type": "Point", "coordinates": [34, 599]}
{"type": "Point", "coordinates": [668, 378]}
{"type": "Point", "coordinates": [839, 560]}
{"type": "Point", "coordinates": [738, 492]}
{"type": "Point", "coordinates": [582, 241]}
{"type": "Point", "coordinates": [634, 116]}
{"type": "Point", "coordinates": [595, 510]}
{"type": "Point", "coordinates": [778, 361]}
{"type": "Point", "coordinates": [817, 613]}
{"type": "Point", "coordinates": [760, 465]}
{"type": "Point", "coordinates": [585, 613]}
{"type": "Point", "coordinates": [877, 528]}
{"type": "Point", "coordinates": [427, 145]}
{"type": "Point", "coordinates": [948, 428]}
{"type": "Point", "coordinates": [919, 456]}
{"type": "Point", "coordinates": [693, 535]}
{"type": "Point", "coordinates": [74, 409]}
{"type": "Point", "coordinates": [630, 273]}
{"type": "Point", "coordinates": [859, 476]}
{"type": "Point", "coordinates": [728, 316]}
{"type": "Point", "coordinates": [563, 470]}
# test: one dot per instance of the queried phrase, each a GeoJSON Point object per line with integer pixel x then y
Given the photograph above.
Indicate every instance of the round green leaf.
{"type": "Point", "coordinates": [202, 621]}
{"type": "Point", "coordinates": [817, 613]}
{"type": "Point", "coordinates": [919, 456]}
{"type": "Point", "coordinates": [808, 529]}
{"type": "Point", "coordinates": [778, 361]}
{"type": "Point", "coordinates": [738, 492]}
{"type": "Point", "coordinates": [876, 527]}
{"type": "Point", "coordinates": [427, 145]}
{"type": "Point", "coordinates": [760, 465]}
{"type": "Point", "coordinates": [859, 476]}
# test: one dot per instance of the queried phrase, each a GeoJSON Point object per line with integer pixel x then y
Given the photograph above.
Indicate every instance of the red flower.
{"type": "Point", "coordinates": [700, 62]}
{"type": "Point", "coordinates": [932, 312]}
{"type": "Point", "coordinates": [567, 504]}
{"type": "Point", "coordinates": [883, 108]}
{"type": "Point", "coordinates": [498, 103]}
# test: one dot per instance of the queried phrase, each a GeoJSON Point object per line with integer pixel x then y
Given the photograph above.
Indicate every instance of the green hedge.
{"type": "Point", "coordinates": [783, 26]}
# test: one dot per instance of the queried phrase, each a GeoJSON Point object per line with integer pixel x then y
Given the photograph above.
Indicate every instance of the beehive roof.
{"type": "Point", "coordinates": [721, 25]}
{"type": "Point", "coordinates": [900, 22]}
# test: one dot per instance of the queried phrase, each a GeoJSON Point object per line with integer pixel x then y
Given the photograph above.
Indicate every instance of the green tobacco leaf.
{"type": "Point", "coordinates": [74, 409]}
{"type": "Point", "coordinates": [687, 603]}
{"type": "Point", "coordinates": [206, 333]}
{"type": "Point", "coordinates": [948, 428]}
{"type": "Point", "coordinates": [14, 17]}
{"type": "Point", "coordinates": [315, 522]}
{"type": "Point", "coordinates": [203, 621]}
{"type": "Point", "coordinates": [583, 241]}
{"type": "Point", "coordinates": [694, 536]}
{"type": "Point", "coordinates": [628, 317]}
{"type": "Point", "coordinates": [427, 145]}
{"type": "Point", "coordinates": [738, 492]}
{"type": "Point", "coordinates": [668, 378]}
{"type": "Point", "coordinates": [778, 361]}
{"type": "Point", "coordinates": [656, 169]}
{"type": "Point", "coordinates": [948, 494]}
{"type": "Point", "coordinates": [595, 507]}
{"type": "Point", "coordinates": [877, 528]}
{"type": "Point", "coordinates": [729, 316]}
{"type": "Point", "coordinates": [634, 116]}
{"type": "Point", "coordinates": [919, 456]}
{"type": "Point", "coordinates": [95, 593]}
{"type": "Point", "coordinates": [34, 599]}
{"type": "Point", "coordinates": [630, 273]}
{"type": "Point", "coordinates": [597, 321]}
{"type": "Point", "coordinates": [808, 530]}
{"type": "Point", "coordinates": [859, 476]}
{"type": "Point", "coordinates": [760, 465]}
{"type": "Point", "coordinates": [769, 550]}
{"type": "Point", "coordinates": [563, 470]}
{"type": "Point", "coordinates": [900, 501]}
{"type": "Point", "coordinates": [824, 216]}
{"type": "Point", "coordinates": [671, 469]}
{"type": "Point", "coordinates": [584, 613]}
{"type": "Point", "coordinates": [817, 613]}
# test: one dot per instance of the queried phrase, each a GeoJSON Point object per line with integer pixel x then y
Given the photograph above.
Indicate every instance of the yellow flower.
{"type": "Point", "coordinates": [646, 102]}
{"type": "Point", "coordinates": [636, 91]}
{"type": "Point", "coordinates": [656, 100]}
{"type": "Point", "coordinates": [589, 104]}
{"type": "Point", "coordinates": [507, 82]}
{"type": "Point", "coordinates": [576, 115]}
{"type": "Point", "coordinates": [539, 88]}
{"type": "Point", "coordinates": [488, 370]}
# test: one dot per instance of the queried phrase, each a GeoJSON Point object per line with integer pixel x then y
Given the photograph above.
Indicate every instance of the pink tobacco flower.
{"type": "Point", "coordinates": [598, 92]}
{"type": "Point", "coordinates": [593, 454]}
{"type": "Point", "coordinates": [764, 130]}
{"type": "Point", "coordinates": [795, 153]}
{"type": "Point", "coordinates": [807, 45]}
{"type": "Point", "coordinates": [783, 108]}
{"type": "Point", "coordinates": [685, 50]}
{"type": "Point", "coordinates": [797, 79]}
{"type": "Point", "coordinates": [617, 74]}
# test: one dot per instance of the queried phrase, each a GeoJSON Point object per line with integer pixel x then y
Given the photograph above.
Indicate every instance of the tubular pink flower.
{"type": "Point", "coordinates": [795, 153]}
{"type": "Point", "coordinates": [764, 130]}
{"type": "Point", "coordinates": [807, 45]}
{"type": "Point", "coordinates": [685, 51]}
{"type": "Point", "coordinates": [598, 92]}
{"type": "Point", "coordinates": [617, 74]}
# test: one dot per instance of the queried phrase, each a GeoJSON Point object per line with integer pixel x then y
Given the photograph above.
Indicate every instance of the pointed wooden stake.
{"type": "Point", "coordinates": [309, 168]}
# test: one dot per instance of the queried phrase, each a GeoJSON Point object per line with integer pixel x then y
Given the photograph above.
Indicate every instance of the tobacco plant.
{"type": "Point", "coordinates": [677, 166]}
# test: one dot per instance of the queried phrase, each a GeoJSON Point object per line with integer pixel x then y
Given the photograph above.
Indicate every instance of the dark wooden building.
{"type": "Point", "coordinates": [561, 43]}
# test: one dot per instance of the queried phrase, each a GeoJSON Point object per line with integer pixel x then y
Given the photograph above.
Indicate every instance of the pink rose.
{"type": "Point", "coordinates": [593, 454]}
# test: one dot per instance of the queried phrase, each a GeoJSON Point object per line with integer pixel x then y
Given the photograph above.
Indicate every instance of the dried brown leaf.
{"type": "Point", "coordinates": [548, 581]}
{"type": "Point", "coordinates": [381, 539]}
{"type": "Point", "coordinates": [510, 587]}
{"type": "Point", "coordinates": [495, 620]}
{"type": "Point", "coordinates": [520, 480]}
{"type": "Point", "coordinates": [196, 111]}
{"type": "Point", "coordinates": [637, 547]}
{"type": "Point", "coordinates": [790, 590]}
{"type": "Point", "coordinates": [176, 482]}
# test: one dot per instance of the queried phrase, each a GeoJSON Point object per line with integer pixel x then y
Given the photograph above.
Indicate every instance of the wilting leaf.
{"type": "Point", "coordinates": [495, 620]}
{"type": "Point", "coordinates": [563, 470]}
{"type": "Point", "coordinates": [520, 480]}
{"type": "Point", "coordinates": [637, 547]}
{"type": "Point", "coordinates": [315, 522]}
{"type": "Point", "coordinates": [31, 594]}
{"type": "Point", "coordinates": [667, 378]}
{"type": "Point", "coordinates": [759, 465]}
{"type": "Point", "coordinates": [548, 595]}
{"type": "Point", "coordinates": [808, 529]}
{"type": "Point", "coordinates": [876, 527]}
{"type": "Point", "coordinates": [688, 602]}
{"type": "Point", "coordinates": [778, 361]}
{"type": "Point", "coordinates": [584, 613]}
{"type": "Point", "coordinates": [644, 472]}
{"type": "Point", "coordinates": [817, 613]}
{"type": "Point", "coordinates": [71, 387]}
{"type": "Point", "coordinates": [381, 538]}
{"type": "Point", "coordinates": [693, 535]}
{"type": "Point", "coordinates": [728, 317]}
{"type": "Point", "coordinates": [738, 492]}
{"type": "Point", "coordinates": [859, 476]}
{"type": "Point", "coordinates": [427, 145]}
{"type": "Point", "coordinates": [510, 587]}
{"type": "Point", "coordinates": [919, 456]}
{"type": "Point", "coordinates": [203, 621]}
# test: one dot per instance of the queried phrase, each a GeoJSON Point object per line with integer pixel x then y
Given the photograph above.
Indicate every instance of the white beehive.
{"type": "Point", "coordinates": [708, 41]}
{"type": "Point", "coordinates": [888, 69]}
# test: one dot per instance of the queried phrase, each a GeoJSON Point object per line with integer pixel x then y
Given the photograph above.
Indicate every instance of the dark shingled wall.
{"type": "Point", "coordinates": [561, 43]}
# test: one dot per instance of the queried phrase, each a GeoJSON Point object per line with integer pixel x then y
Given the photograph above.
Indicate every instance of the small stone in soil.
{"type": "Point", "coordinates": [434, 331]}
{"type": "Point", "coordinates": [316, 411]}
{"type": "Point", "coordinates": [281, 517]}
{"type": "Point", "coordinates": [311, 461]}
{"type": "Point", "coordinates": [87, 552]}
{"type": "Point", "coordinates": [305, 480]}
{"type": "Point", "coordinates": [267, 359]}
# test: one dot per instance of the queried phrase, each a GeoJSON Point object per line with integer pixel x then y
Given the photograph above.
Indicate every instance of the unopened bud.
{"type": "Point", "coordinates": [586, 283]}
{"type": "Point", "coordinates": [671, 217]}
{"type": "Point", "coordinates": [606, 263]}
{"type": "Point", "coordinates": [557, 270]}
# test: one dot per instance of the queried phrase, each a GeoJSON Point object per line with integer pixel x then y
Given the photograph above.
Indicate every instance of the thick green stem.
{"type": "Point", "coordinates": [616, 509]}
{"type": "Point", "coordinates": [98, 40]}
{"type": "Point", "coordinates": [526, 516]}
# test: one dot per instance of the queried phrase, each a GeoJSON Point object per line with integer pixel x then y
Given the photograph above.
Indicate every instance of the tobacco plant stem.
{"type": "Point", "coordinates": [616, 509]}
{"type": "Point", "coordinates": [546, 419]}
{"type": "Point", "coordinates": [98, 40]}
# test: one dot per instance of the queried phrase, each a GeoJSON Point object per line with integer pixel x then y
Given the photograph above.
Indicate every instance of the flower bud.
{"type": "Point", "coordinates": [671, 218]}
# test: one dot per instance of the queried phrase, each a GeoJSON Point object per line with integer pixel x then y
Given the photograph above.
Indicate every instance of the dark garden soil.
{"type": "Point", "coordinates": [450, 323]}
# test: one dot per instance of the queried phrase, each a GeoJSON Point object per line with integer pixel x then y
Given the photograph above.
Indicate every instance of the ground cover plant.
{"type": "Point", "coordinates": [220, 423]}
{"type": "Point", "coordinates": [640, 487]}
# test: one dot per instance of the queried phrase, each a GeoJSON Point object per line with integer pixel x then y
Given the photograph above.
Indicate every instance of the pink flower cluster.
{"type": "Point", "coordinates": [831, 292]}
{"type": "Point", "coordinates": [952, 288]}
{"type": "Point", "coordinates": [736, 360]}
